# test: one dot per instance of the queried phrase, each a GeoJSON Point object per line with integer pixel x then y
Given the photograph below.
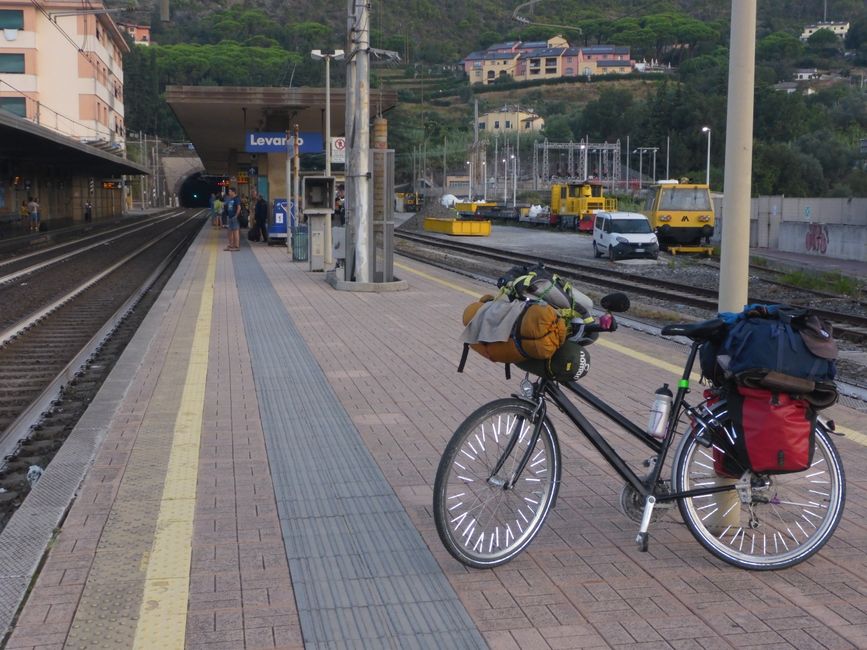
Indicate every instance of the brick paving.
{"type": "Point", "coordinates": [390, 359]}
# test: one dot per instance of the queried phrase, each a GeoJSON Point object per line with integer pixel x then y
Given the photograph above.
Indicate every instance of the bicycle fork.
{"type": "Point", "coordinates": [537, 417]}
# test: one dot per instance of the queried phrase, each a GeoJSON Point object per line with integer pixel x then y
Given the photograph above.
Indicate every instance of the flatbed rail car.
{"type": "Point", "coordinates": [574, 205]}
{"type": "Point", "coordinates": [681, 213]}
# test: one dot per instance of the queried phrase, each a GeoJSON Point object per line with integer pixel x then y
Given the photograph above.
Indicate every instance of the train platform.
{"type": "Point", "coordinates": [257, 472]}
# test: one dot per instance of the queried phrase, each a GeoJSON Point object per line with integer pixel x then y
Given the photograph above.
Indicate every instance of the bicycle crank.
{"type": "Point", "coordinates": [632, 503]}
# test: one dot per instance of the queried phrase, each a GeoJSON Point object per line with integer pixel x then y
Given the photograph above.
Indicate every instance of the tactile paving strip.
{"type": "Point", "coordinates": [362, 575]}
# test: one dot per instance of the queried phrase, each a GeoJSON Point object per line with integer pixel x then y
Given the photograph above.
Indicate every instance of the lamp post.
{"type": "Point", "coordinates": [514, 181]}
{"type": "Point", "coordinates": [485, 174]}
{"type": "Point", "coordinates": [640, 153]}
{"type": "Point", "coordinates": [327, 55]}
{"type": "Point", "coordinates": [706, 129]}
{"type": "Point", "coordinates": [470, 193]}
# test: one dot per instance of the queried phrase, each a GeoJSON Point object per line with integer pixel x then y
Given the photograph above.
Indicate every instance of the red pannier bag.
{"type": "Point", "coordinates": [775, 430]}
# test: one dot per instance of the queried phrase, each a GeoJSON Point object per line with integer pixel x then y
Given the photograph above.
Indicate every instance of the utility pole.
{"type": "Point", "coordinates": [359, 134]}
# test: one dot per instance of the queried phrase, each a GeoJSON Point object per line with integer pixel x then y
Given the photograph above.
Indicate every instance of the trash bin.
{"type": "Point", "coordinates": [299, 243]}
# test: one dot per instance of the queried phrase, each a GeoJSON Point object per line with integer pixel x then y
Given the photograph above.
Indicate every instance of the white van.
{"type": "Point", "coordinates": [623, 234]}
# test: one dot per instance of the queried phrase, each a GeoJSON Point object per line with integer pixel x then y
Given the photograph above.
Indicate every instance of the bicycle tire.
{"type": "Point", "coordinates": [481, 524]}
{"type": "Point", "coordinates": [795, 513]}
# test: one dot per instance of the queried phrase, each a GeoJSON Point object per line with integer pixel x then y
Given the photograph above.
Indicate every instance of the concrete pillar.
{"type": "Point", "coordinates": [734, 256]}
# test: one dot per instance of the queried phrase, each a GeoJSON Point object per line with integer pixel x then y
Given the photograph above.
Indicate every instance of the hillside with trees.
{"type": "Point", "coordinates": [806, 144]}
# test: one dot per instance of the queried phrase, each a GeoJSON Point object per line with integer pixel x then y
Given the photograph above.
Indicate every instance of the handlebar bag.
{"type": "Point", "coordinates": [774, 431]}
{"type": "Point", "coordinates": [507, 331]}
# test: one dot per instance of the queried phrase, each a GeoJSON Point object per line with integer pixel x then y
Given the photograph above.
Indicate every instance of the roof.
{"type": "Point", "coordinates": [217, 118]}
{"type": "Point", "coordinates": [503, 46]}
{"type": "Point", "coordinates": [551, 51]}
{"type": "Point", "coordinates": [21, 139]}
{"type": "Point", "coordinates": [606, 49]}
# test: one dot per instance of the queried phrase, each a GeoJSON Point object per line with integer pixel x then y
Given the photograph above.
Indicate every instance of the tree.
{"type": "Point", "coordinates": [779, 46]}
{"type": "Point", "coordinates": [557, 129]}
{"type": "Point", "coordinates": [824, 42]}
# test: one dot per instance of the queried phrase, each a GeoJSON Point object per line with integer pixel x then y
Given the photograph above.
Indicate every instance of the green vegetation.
{"type": "Point", "coordinates": [804, 144]}
{"type": "Point", "coordinates": [831, 282]}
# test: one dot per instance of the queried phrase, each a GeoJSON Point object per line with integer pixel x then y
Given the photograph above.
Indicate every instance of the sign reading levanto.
{"type": "Point", "coordinates": [263, 142]}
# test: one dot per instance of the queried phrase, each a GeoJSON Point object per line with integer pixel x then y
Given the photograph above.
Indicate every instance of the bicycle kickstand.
{"type": "Point", "coordinates": [642, 538]}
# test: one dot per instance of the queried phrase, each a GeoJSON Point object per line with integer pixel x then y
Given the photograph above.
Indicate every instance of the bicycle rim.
{"type": "Point", "coordinates": [479, 522]}
{"type": "Point", "coordinates": [790, 517]}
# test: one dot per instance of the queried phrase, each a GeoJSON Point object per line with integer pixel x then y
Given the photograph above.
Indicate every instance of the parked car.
{"type": "Point", "coordinates": [623, 234]}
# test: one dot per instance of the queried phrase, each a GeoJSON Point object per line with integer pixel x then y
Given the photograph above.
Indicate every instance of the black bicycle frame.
{"type": "Point", "coordinates": [647, 486]}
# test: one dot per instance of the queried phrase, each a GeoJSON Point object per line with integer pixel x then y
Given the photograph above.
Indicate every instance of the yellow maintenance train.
{"type": "Point", "coordinates": [681, 214]}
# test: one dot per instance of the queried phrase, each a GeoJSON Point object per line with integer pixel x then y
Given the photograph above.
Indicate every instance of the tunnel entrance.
{"type": "Point", "coordinates": [197, 189]}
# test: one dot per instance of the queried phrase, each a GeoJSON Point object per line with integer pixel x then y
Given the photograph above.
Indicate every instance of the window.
{"type": "Point", "coordinates": [508, 124]}
{"type": "Point", "coordinates": [15, 105]}
{"type": "Point", "coordinates": [481, 126]}
{"type": "Point", "coordinates": [12, 63]}
{"type": "Point", "coordinates": [496, 124]}
{"type": "Point", "coordinates": [11, 19]}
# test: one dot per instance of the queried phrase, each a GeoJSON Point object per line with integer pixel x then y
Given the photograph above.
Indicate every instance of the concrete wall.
{"type": "Point", "coordinates": [826, 227]}
{"type": "Point", "coordinates": [833, 240]}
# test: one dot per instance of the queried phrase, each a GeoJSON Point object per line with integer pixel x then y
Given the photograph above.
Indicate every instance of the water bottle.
{"type": "Point", "coordinates": [658, 420]}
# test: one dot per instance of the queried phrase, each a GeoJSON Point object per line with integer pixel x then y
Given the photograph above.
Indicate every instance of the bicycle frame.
{"type": "Point", "coordinates": [646, 487]}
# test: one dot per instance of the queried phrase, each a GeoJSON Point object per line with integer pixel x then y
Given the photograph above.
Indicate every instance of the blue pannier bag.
{"type": "Point", "coordinates": [791, 341]}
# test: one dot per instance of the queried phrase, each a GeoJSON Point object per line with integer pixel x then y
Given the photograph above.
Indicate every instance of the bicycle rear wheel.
{"type": "Point", "coordinates": [788, 517]}
{"type": "Point", "coordinates": [480, 522]}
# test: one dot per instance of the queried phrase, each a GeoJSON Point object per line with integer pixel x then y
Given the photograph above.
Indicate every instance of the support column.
{"type": "Point", "coordinates": [735, 251]}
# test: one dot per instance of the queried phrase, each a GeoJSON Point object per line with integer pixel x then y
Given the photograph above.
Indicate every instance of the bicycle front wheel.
{"type": "Point", "coordinates": [482, 520]}
{"type": "Point", "coordinates": [783, 520]}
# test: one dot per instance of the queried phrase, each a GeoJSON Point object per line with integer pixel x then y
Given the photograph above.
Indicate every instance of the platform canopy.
{"type": "Point", "coordinates": [216, 119]}
{"type": "Point", "coordinates": [23, 141]}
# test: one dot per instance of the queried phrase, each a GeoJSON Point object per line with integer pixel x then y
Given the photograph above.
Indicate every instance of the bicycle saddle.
{"type": "Point", "coordinates": [695, 331]}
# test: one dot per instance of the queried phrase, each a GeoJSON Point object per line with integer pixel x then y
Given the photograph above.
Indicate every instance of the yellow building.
{"type": "Point", "coordinates": [61, 66]}
{"type": "Point", "coordinates": [509, 119]}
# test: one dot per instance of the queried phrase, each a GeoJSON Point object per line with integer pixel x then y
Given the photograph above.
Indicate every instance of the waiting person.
{"type": "Point", "coordinates": [88, 212]}
{"type": "Point", "coordinates": [24, 215]}
{"type": "Point", "coordinates": [33, 209]}
{"type": "Point", "coordinates": [212, 207]}
{"type": "Point", "coordinates": [218, 211]}
{"type": "Point", "coordinates": [260, 217]}
{"type": "Point", "coordinates": [233, 213]}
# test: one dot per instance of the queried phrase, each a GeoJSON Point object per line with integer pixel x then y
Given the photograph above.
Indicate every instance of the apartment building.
{"type": "Point", "coordinates": [551, 59]}
{"type": "Point", "coordinates": [61, 66]}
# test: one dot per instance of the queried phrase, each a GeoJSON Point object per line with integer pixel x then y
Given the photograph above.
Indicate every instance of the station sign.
{"type": "Point", "coordinates": [111, 184]}
{"type": "Point", "coordinates": [264, 142]}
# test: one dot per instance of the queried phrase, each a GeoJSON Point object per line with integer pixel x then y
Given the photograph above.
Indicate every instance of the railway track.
{"type": "Point", "coordinates": [45, 341]}
{"type": "Point", "coordinates": [846, 326]}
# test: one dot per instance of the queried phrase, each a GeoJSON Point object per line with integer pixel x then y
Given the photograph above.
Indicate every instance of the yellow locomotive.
{"type": "Point", "coordinates": [681, 213]}
{"type": "Point", "coordinates": [574, 205]}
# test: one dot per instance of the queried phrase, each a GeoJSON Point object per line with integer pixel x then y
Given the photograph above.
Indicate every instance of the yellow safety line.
{"type": "Point", "coordinates": [640, 356]}
{"type": "Point", "coordinates": [163, 613]}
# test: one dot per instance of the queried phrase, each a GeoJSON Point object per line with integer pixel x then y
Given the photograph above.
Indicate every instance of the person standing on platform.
{"type": "Point", "coordinates": [260, 217]}
{"type": "Point", "coordinates": [212, 205]}
{"type": "Point", "coordinates": [88, 212]}
{"type": "Point", "coordinates": [24, 215]}
{"type": "Point", "coordinates": [218, 211]}
{"type": "Point", "coordinates": [233, 212]}
{"type": "Point", "coordinates": [33, 209]}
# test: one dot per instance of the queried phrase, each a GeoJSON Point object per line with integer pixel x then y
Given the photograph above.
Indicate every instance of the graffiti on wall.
{"type": "Point", "coordinates": [816, 240]}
